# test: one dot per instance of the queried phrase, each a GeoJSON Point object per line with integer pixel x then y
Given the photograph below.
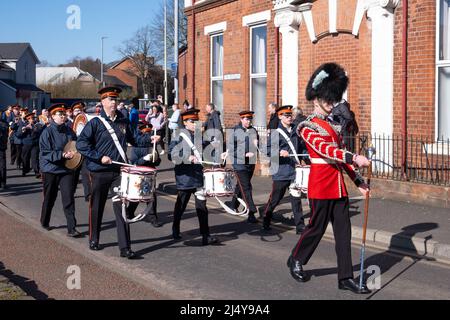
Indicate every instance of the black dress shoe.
{"type": "Point", "coordinates": [48, 228]}
{"type": "Point", "coordinates": [176, 235]}
{"type": "Point", "coordinates": [266, 227]}
{"type": "Point", "coordinates": [38, 176]}
{"type": "Point", "coordinates": [207, 240]}
{"type": "Point", "coordinates": [94, 246]}
{"type": "Point", "coordinates": [297, 270]}
{"type": "Point", "coordinates": [350, 284]}
{"type": "Point", "coordinates": [251, 218]}
{"type": "Point", "coordinates": [128, 253]}
{"type": "Point", "coordinates": [74, 234]}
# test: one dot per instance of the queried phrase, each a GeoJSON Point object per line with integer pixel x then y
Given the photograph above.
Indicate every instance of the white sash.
{"type": "Point", "coordinates": [115, 139]}
{"type": "Point", "coordinates": [289, 142]}
{"type": "Point", "coordinates": [191, 145]}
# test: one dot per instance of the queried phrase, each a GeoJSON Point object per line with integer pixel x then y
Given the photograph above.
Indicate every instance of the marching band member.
{"type": "Point", "coordinates": [54, 174]}
{"type": "Point", "coordinates": [286, 142]}
{"type": "Point", "coordinates": [29, 132]}
{"type": "Point", "coordinates": [145, 157]}
{"type": "Point", "coordinates": [78, 107]}
{"type": "Point", "coordinates": [16, 143]}
{"type": "Point", "coordinates": [326, 191]}
{"type": "Point", "coordinates": [44, 118]}
{"type": "Point", "coordinates": [3, 146]}
{"type": "Point", "coordinates": [189, 177]}
{"type": "Point", "coordinates": [103, 140]}
{"type": "Point", "coordinates": [244, 161]}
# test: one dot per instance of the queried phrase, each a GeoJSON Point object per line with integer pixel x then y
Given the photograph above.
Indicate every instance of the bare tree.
{"type": "Point", "coordinates": [139, 50]}
{"type": "Point", "coordinates": [157, 28]}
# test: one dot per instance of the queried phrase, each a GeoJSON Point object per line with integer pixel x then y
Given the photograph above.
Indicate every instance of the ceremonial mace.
{"type": "Point", "coordinates": [370, 152]}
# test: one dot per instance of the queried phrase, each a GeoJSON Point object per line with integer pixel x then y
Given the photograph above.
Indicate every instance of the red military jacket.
{"type": "Point", "coordinates": [328, 159]}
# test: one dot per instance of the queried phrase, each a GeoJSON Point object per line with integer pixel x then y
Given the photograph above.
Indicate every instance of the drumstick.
{"type": "Point", "coordinates": [154, 144]}
{"type": "Point", "coordinates": [123, 164]}
{"type": "Point", "coordinates": [210, 163]}
{"type": "Point", "coordinates": [299, 155]}
{"type": "Point", "coordinates": [225, 160]}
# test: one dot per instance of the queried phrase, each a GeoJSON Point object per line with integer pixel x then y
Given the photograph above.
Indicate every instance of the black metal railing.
{"type": "Point", "coordinates": [425, 160]}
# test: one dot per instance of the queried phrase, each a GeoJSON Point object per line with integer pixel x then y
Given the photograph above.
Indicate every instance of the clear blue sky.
{"type": "Point", "coordinates": [43, 24]}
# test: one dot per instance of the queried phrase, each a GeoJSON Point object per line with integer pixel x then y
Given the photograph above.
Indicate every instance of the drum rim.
{"type": "Point", "coordinates": [136, 170]}
{"type": "Point", "coordinates": [217, 170]}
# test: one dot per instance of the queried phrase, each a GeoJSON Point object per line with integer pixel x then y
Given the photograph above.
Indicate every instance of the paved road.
{"type": "Point", "coordinates": [247, 264]}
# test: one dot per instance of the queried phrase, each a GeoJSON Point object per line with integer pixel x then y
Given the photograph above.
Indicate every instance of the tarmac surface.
{"type": "Point", "coordinates": [247, 265]}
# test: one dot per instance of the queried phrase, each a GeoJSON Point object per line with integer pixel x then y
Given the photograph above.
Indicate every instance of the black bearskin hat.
{"type": "Point", "coordinates": [327, 83]}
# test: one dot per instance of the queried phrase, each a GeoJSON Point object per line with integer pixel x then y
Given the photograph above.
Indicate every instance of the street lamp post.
{"type": "Point", "coordinates": [165, 53]}
{"type": "Point", "coordinates": [101, 72]}
{"type": "Point", "coordinates": [176, 49]}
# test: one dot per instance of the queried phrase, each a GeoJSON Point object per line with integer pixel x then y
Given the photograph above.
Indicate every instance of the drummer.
{"type": "Point", "coordinates": [243, 143]}
{"type": "Point", "coordinates": [101, 147]}
{"type": "Point", "coordinates": [149, 158]}
{"type": "Point", "coordinates": [283, 162]}
{"type": "Point", "coordinates": [54, 174]}
{"type": "Point", "coordinates": [189, 176]}
{"type": "Point", "coordinates": [78, 108]}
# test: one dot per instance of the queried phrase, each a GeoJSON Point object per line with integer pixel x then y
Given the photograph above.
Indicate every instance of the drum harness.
{"type": "Point", "coordinates": [200, 194]}
{"type": "Point", "coordinates": [292, 190]}
{"type": "Point", "coordinates": [122, 153]}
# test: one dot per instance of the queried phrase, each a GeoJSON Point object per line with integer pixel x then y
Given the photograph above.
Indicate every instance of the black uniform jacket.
{"type": "Point", "coordinates": [286, 168]}
{"type": "Point", "coordinates": [95, 141]}
{"type": "Point", "coordinates": [51, 144]}
{"type": "Point", "coordinates": [241, 146]}
{"type": "Point", "coordinates": [187, 175]}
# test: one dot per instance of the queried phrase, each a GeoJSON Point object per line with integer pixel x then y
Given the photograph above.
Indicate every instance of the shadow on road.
{"type": "Point", "coordinates": [28, 286]}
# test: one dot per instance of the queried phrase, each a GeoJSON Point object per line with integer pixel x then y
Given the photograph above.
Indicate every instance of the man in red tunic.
{"type": "Point", "coordinates": [326, 190]}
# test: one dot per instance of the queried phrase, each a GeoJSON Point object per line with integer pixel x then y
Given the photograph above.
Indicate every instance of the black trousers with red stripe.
{"type": "Point", "coordinates": [337, 212]}
{"type": "Point", "coordinates": [279, 188]}
{"type": "Point", "coordinates": [101, 183]}
{"type": "Point", "coordinates": [244, 189]}
{"type": "Point", "coordinates": [51, 183]}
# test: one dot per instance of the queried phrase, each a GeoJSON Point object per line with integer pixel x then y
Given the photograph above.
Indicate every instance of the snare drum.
{"type": "Point", "coordinates": [218, 182]}
{"type": "Point", "coordinates": [137, 184]}
{"type": "Point", "coordinates": [301, 178]}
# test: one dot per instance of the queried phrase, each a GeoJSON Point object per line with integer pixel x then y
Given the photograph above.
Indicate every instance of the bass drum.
{"type": "Point", "coordinates": [80, 122]}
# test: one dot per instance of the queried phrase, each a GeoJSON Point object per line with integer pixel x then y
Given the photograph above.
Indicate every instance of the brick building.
{"type": "Point", "coordinates": [247, 53]}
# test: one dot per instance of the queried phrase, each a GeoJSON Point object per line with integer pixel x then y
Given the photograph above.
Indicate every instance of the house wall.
{"type": "Point", "coordinates": [7, 96]}
{"type": "Point", "coordinates": [353, 53]}
{"type": "Point", "coordinates": [26, 69]}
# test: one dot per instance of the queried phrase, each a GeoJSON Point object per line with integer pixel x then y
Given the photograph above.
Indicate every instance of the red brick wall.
{"type": "Point", "coordinates": [421, 68]}
{"type": "Point", "coordinates": [354, 54]}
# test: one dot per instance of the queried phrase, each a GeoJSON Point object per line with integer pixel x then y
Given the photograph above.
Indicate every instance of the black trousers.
{"type": "Point", "coordinates": [323, 211]}
{"type": "Point", "coordinates": [101, 183]}
{"type": "Point", "coordinates": [3, 167]}
{"type": "Point", "coordinates": [51, 183]}
{"type": "Point", "coordinates": [244, 189]}
{"type": "Point", "coordinates": [149, 210]}
{"type": "Point", "coordinates": [30, 158]}
{"type": "Point", "coordinates": [279, 188]}
{"type": "Point", "coordinates": [85, 180]}
{"type": "Point", "coordinates": [180, 207]}
{"type": "Point", "coordinates": [16, 154]}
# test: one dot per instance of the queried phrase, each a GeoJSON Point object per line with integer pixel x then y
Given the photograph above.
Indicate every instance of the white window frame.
{"type": "Point", "coordinates": [439, 64]}
{"type": "Point", "coordinates": [216, 78]}
{"type": "Point", "coordinates": [256, 75]}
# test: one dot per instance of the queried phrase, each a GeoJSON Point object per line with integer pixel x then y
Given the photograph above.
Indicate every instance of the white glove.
{"type": "Point", "coordinates": [148, 157]}
{"type": "Point", "coordinates": [361, 161]}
